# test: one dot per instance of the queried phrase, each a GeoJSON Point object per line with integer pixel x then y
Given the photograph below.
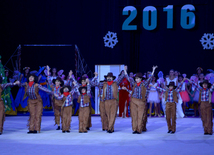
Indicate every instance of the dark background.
{"type": "Point", "coordinates": [85, 23]}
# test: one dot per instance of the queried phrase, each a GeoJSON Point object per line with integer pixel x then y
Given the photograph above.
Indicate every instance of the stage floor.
{"type": "Point", "coordinates": [188, 139]}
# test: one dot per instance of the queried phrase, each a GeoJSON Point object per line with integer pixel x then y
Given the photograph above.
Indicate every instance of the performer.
{"type": "Point", "coordinates": [82, 82]}
{"type": "Point", "coordinates": [84, 110]}
{"type": "Point", "coordinates": [205, 90]}
{"type": "Point", "coordinates": [124, 97]}
{"type": "Point", "coordinates": [66, 97]}
{"type": "Point", "coordinates": [53, 75]}
{"type": "Point", "coordinates": [172, 78]}
{"type": "Point", "coordinates": [103, 115]}
{"type": "Point", "coordinates": [8, 94]}
{"type": "Point", "coordinates": [56, 85]}
{"type": "Point", "coordinates": [184, 94]}
{"type": "Point", "coordinates": [110, 95]}
{"type": "Point", "coordinates": [199, 71]}
{"type": "Point", "coordinates": [138, 100]}
{"type": "Point", "coordinates": [2, 108]}
{"type": "Point", "coordinates": [153, 97]}
{"type": "Point", "coordinates": [21, 104]}
{"type": "Point", "coordinates": [35, 106]}
{"type": "Point", "coordinates": [171, 100]}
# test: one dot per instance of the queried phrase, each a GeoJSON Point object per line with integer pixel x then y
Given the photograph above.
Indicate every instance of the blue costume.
{"type": "Point", "coordinates": [21, 104]}
{"type": "Point", "coordinates": [45, 97]}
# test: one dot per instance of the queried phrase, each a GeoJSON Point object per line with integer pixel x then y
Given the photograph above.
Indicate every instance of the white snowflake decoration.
{"type": "Point", "coordinates": [110, 39]}
{"type": "Point", "coordinates": [207, 41]}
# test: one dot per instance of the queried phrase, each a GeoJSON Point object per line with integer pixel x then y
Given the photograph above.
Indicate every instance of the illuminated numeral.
{"type": "Point", "coordinates": [169, 10]}
{"type": "Point", "coordinates": [131, 17]}
{"type": "Point", "coordinates": [153, 17]}
{"type": "Point", "coordinates": [187, 18]}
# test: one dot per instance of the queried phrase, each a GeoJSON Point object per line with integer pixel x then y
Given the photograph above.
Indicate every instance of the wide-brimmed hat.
{"type": "Point", "coordinates": [69, 89]}
{"type": "Point", "coordinates": [207, 82]}
{"type": "Point", "coordinates": [80, 89]}
{"type": "Point", "coordinates": [110, 74]}
{"type": "Point", "coordinates": [35, 78]}
{"type": "Point", "coordinates": [138, 75]}
{"type": "Point", "coordinates": [58, 79]}
{"type": "Point", "coordinates": [82, 78]}
{"type": "Point", "coordinates": [199, 68]}
{"type": "Point", "coordinates": [172, 84]}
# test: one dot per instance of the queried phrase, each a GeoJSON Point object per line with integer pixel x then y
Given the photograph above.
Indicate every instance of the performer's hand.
{"type": "Point", "coordinates": [56, 95]}
{"type": "Point", "coordinates": [74, 83]}
{"type": "Point", "coordinates": [124, 88]}
{"type": "Point", "coordinates": [96, 74]}
{"type": "Point", "coordinates": [153, 69]}
{"type": "Point", "coordinates": [87, 81]}
{"type": "Point", "coordinates": [17, 83]}
{"type": "Point", "coordinates": [125, 68]}
{"type": "Point", "coordinates": [70, 73]}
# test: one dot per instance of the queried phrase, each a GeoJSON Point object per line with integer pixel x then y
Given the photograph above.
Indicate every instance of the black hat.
{"type": "Point", "coordinates": [207, 82]}
{"type": "Point", "coordinates": [82, 78]}
{"type": "Point", "coordinates": [35, 78]}
{"type": "Point", "coordinates": [138, 75]}
{"type": "Point", "coordinates": [110, 74]}
{"type": "Point", "coordinates": [172, 84]}
{"type": "Point", "coordinates": [58, 79]}
{"type": "Point", "coordinates": [69, 89]}
{"type": "Point", "coordinates": [80, 89]}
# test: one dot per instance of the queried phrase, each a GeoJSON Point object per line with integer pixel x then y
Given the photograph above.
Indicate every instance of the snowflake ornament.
{"type": "Point", "coordinates": [110, 39]}
{"type": "Point", "coordinates": [207, 41]}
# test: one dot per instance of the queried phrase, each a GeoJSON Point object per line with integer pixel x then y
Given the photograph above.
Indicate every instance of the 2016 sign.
{"type": "Point", "coordinates": [187, 20]}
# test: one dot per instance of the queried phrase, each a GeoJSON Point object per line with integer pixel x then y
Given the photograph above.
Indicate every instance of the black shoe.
{"type": "Point", "coordinates": [172, 132]}
{"type": "Point", "coordinates": [63, 131]}
{"type": "Point", "coordinates": [29, 132]}
{"type": "Point", "coordinates": [87, 128]}
{"type": "Point", "coordinates": [58, 128]}
{"type": "Point", "coordinates": [138, 133]}
{"type": "Point", "coordinates": [169, 131]}
{"type": "Point", "coordinates": [109, 131]}
{"type": "Point", "coordinates": [0, 133]}
{"type": "Point", "coordinates": [85, 132]}
{"type": "Point", "coordinates": [34, 131]}
{"type": "Point", "coordinates": [209, 133]}
{"type": "Point", "coordinates": [205, 133]}
{"type": "Point", "coordinates": [135, 132]}
{"type": "Point", "coordinates": [104, 130]}
{"type": "Point", "coordinates": [68, 131]}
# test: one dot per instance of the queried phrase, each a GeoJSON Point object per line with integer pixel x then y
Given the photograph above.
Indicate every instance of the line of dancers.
{"type": "Point", "coordinates": [135, 90]}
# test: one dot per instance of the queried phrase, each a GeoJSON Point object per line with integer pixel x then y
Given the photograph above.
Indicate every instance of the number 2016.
{"type": "Point", "coordinates": [187, 20]}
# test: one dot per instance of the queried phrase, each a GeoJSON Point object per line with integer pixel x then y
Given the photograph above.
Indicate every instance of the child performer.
{"type": "Point", "coordinates": [205, 89]}
{"type": "Point", "coordinates": [138, 100]}
{"type": "Point", "coordinates": [171, 100]}
{"type": "Point", "coordinates": [2, 108]}
{"type": "Point", "coordinates": [83, 82]}
{"type": "Point", "coordinates": [56, 85]}
{"type": "Point", "coordinates": [35, 106]}
{"type": "Point", "coordinates": [66, 97]}
{"type": "Point", "coordinates": [84, 110]}
{"type": "Point", "coordinates": [153, 98]}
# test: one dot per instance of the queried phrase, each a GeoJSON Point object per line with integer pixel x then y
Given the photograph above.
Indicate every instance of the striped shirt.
{"type": "Point", "coordinates": [31, 90]}
{"type": "Point", "coordinates": [204, 93]}
{"type": "Point", "coordinates": [138, 89]}
{"type": "Point", "coordinates": [68, 100]}
{"type": "Point", "coordinates": [170, 92]}
{"type": "Point", "coordinates": [109, 89]}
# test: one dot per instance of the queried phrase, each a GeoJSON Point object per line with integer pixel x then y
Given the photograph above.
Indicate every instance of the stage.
{"type": "Point", "coordinates": [188, 139]}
